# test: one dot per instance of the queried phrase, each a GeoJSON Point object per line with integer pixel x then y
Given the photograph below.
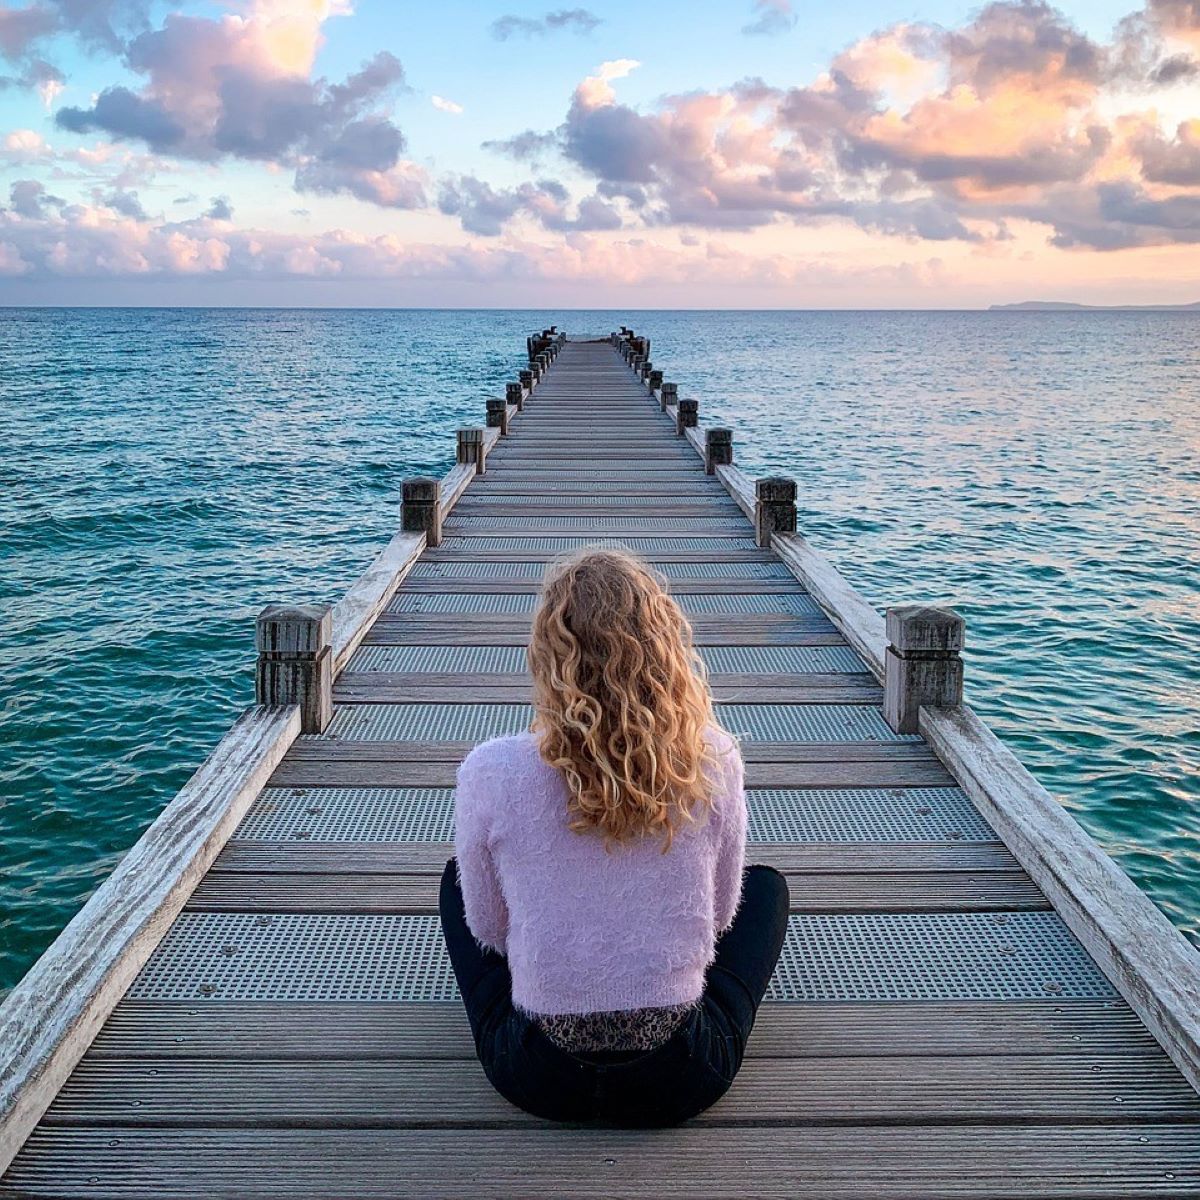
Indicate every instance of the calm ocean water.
{"type": "Point", "coordinates": [166, 472]}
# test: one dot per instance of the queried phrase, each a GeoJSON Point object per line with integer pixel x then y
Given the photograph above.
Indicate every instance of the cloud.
{"type": "Point", "coordinates": [528, 146]}
{"type": "Point", "coordinates": [774, 17]}
{"type": "Point", "coordinates": [28, 198]}
{"type": "Point", "coordinates": [485, 210]}
{"type": "Point", "coordinates": [572, 20]}
{"type": "Point", "coordinates": [241, 86]}
{"type": "Point", "coordinates": [127, 204]}
{"type": "Point", "coordinates": [220, 209]}
{"type": "Point", "coordinates": [446, 106]}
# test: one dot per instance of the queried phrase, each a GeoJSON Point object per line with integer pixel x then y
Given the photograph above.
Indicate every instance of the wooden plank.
{"type": "Point", "coordinates": [51, 1016]}
{"type": "Point", "coordinates": [861, 624]}
{"type": "Point", "coordinates": [360, 891]}
{"type": "Point", "coordinates": [425, 772]}
{"type": "Point", "coordinates": [802, 1093]}
{"type": "Point", "coordinates": [913, 1162]}
{"type": "Point", "coordinates": [140, 1029]}
{"type": "Point", "coordinates": [412, 858]}
{"type": "Point", "coordinates": [367, 597]}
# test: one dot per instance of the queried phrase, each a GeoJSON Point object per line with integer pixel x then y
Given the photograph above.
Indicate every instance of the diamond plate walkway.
{"type": "Point", "coordinates": [285, 1021]}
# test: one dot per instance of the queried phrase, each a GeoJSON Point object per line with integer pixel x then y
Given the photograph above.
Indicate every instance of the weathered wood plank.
{"type": "Point", "coordinates": [140, 1029]}
{"type": "Point", "coordinates": [801, 1093]}
{"type": "Point", "coordinates": [51, 1016]}
{"type": "Point", "coordinates": [996, 1162]}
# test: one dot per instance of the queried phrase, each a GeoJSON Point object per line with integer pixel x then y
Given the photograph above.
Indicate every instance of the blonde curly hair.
{"type": "Point", "coordinates": [621, 704]}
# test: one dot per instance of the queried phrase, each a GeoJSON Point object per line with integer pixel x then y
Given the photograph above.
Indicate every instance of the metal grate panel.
{"type": "Point", "coordinates": [464, 542]}
{"type": "Point", "coordinates": [603, 524]}
{"type": "Point", "coordinates": [475, 722]}
{"type": "Point", "coordinates": [501, 603]}
{"type": "Point", "coordinates": [535, 570]}
{"type": "Point", "coordinates": [489, 660]}
{"type": "Point", "coordinates": [864, 815]}
{"type": "Point", "coordinates": [899, 957]}
{"type": "Point", "coordinates": [591, 500]}
{"type": "Point", "coordinates": [781, 660]}
{"type": "Point", "coordinates": [440, 660]}
{"type": "Point", "coordinates": [427, 722]}
{"type": "Point", "coordinates": [341, 814]}
{"type": "Point", "coordinates": [350, 815]}
{"type": "Point", "coordinates": [808, 723]}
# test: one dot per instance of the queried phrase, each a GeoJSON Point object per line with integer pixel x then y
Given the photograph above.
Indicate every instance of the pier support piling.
{"type": "Point", "coordinates": [470, 449]}
{"type": "Point", "coordinates": [295, 661]}
{"type": "Point", "coordinates": [922, 666]}
{"type": "Point", "coordinates": [718, 449]}
{"type": "Point", "coordinates": [774, 507]}
{"type": "Point", "coordinates": [421, 508]}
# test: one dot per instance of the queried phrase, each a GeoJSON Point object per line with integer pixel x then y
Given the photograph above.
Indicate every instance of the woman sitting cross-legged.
{"type": "Point", "coordinates": [610, 947]}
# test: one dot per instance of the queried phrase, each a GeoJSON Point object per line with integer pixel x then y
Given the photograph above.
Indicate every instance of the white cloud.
{"type": "Point", "coordinates": [446, 106]}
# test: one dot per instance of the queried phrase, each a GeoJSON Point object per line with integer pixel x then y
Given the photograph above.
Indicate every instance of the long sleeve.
{"type": "Point", "coordinates": [483, 898]}
{"type": "Point", "coordinates": [731, 847]}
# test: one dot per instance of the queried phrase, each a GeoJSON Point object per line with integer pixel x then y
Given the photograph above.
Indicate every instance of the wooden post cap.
{"type": "Point", "coordinates": [497, 414]}
{"type": "Point", "coordinates": [718, 449]}
{"type": "Point", "coordinates": [775, 489]}
{"type": "Point", "coordinates": [294, 630]}
{"type": "Point", "coordinates": [687, 415]}
{"type": "Point", "coordinates": [922, 631]}
{"type": "Point", "coordinates": [512, 393]}
{"type": "Point", "coordinates": [421, 489]}
{"type": "Point", "coordinates": [656, 380]}
{"type": "Point", "coordinates": [526, 378]}
{"type": "Point", "coordinates": [295, 661]}
{"type": "Point", "coordinates": [921, 666]}
{"type": "Point", "coordinates": [670, 389]}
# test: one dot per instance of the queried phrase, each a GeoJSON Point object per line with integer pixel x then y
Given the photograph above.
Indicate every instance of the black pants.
{"type": "Point", "coordinates": [664, 1086]}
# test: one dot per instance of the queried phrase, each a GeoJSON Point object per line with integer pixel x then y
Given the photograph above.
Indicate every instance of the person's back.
{"type": "Point", "coordinates": [592, 916]}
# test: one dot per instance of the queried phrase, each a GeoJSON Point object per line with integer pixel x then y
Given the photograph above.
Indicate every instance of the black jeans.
{"type": "Point", "coordinates": [666, 1085]}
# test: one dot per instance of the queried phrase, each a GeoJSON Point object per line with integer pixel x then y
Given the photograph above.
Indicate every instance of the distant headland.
{"type": "Point", "coordinates": [1067, 306]}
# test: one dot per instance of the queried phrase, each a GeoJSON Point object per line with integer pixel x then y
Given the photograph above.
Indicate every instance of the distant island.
{"type": "Point", "coordinates": [1066, 306]}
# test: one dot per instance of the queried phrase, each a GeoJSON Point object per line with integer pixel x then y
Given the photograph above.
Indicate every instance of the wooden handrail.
{"type": "Point", "coordinates": [50, 1018]}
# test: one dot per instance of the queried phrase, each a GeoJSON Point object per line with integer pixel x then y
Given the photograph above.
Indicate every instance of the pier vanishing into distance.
{"type": "Point", "coordinates": [973, 999]}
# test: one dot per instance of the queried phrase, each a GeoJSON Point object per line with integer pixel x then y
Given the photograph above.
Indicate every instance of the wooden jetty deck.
{"type": "Point", "coordinates": [972, 1001]}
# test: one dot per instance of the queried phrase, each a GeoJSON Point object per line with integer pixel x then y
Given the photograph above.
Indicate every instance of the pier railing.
{"type": "Point", "coordinates": [914, 652]}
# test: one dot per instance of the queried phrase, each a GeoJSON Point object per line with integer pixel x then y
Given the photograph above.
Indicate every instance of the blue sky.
{"type": "Point", "coordinates": [882, 154]}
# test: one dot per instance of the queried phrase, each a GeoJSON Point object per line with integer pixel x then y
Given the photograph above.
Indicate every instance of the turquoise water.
{"type": "Point", "coordinates": [166, 472]}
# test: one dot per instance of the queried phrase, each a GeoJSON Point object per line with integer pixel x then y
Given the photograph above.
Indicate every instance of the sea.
{"type": "Point", "coordinates": [166, 472]}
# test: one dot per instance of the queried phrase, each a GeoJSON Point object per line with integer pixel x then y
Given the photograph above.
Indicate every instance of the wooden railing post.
{"type": "Point", "coordinates": [718, 449]}
{"type": "Point", "coordinates": [922, 665]}
{"type": "Point", "coordinates": [497, 414]}
{"type": "Point", "coordinates": [774, 507]}
{"type": "Point", "coordinates": [687, 415]}
{"type": "Point", "coordinates": [421, 508]}
{"type": "Point", "coordinates": [295, 661]}
{"type": "Point", "coordinates": [668, 395]}
{"type": "Point", "coordinates": [513, 394]}
{"type": "Point", "coordinates": [646, 368]}
{"type": "Point", "coordinates": [526, 378]}
{"type": "Point", "coordinates": [470, 449]}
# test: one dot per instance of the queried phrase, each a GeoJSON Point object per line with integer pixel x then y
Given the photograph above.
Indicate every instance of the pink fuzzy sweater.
{"type": "Point", "coordinates": [584, 929]}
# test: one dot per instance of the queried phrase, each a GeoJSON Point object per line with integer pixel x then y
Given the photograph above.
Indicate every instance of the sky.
{"type": "Point", "coordinates": [730, 154]}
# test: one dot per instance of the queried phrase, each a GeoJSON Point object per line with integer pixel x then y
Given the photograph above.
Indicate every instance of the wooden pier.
{"type": "Point", "coordinates": [972, 1001]}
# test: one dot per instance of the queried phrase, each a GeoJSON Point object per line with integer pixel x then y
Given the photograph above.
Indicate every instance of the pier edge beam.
{"type": "Point", "coordinates": [718, 449]}
{"type": "Point", "coordinates": [295, 661]}
{"type": "Point", "coordinates": [922, 663]}
{"type": "Point", "coordinates": [774, 507]}
{"type": "Point", "coordinates": [421, 508]}
{"type": "Point", "coordinates": [497, 414]}
{"type": "Point", "coordinates": [687, 415]}
{"type": "Point", "coordinates": [469, 448]}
